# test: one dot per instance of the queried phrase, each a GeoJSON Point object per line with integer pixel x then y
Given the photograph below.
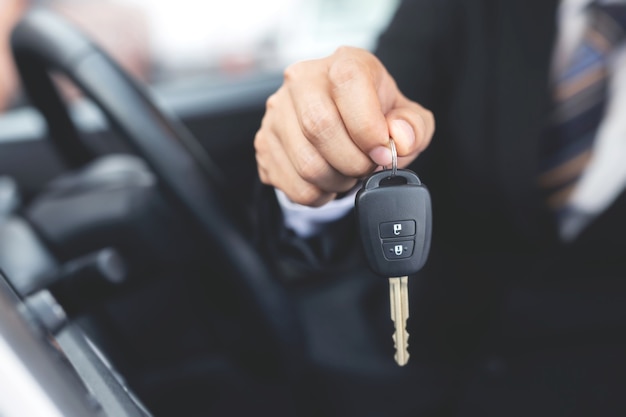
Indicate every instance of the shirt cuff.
{"type": "Point", "coordinates": [308, 221]}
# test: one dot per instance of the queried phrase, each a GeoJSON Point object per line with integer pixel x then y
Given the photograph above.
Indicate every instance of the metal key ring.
{"type": "Point", "coordinates": [394, 158]}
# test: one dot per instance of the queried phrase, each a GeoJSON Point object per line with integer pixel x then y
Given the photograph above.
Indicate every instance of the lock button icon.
{"type": "Point", "coordinates": [398, 250]}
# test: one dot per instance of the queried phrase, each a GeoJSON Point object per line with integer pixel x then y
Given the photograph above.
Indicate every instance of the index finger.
{"type": "Point", "coordinates": [355, 85]}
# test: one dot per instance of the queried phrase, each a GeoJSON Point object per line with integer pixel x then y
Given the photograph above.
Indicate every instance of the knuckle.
{"type": "Point", "coordinates": [429, 121]}
{"type": "Point", "coordinates": [366, 126]}
{"type": "Point", "coordinates": [345, 70]}
{"type": "Point", "coordinates": [289, 72]}
{"type": "Point", "coordinates": [347, 185]}
{"type": "Point", "coordinates": [358, 168]}
{"type": "Point", "coordinates": [292, 71]}
{"type": "Point", "coordinates": [427, 128]}
{"type": "Point", "coordinates": [346, 50]}
{"type": "Point", "coordinates": [270, 103]}
{"type": "Point", "coordinates": [306, 195]}
{"type": "Point", "coordinates": [343, 50]}
{"type": "Point", "coordinates": [312, 168]}
{"type": "Point", "coordinates": [433, 123]}
{"type": "Point", "coordinates": [261, 169]}
{"type": "Point", "coordinates": [316, 121]}
{"type": "Point", "coordinates": [263, 177]}
{"type": "Point", "coordinates": [259, 142]}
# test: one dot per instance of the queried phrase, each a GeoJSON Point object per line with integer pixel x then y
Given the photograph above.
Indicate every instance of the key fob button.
{"type": "Point", "coordinates": [398, 249]}
{"type": "Point", "coordinates": [402, 228]}
{"type": "Point", "coordinates": [395, 221]}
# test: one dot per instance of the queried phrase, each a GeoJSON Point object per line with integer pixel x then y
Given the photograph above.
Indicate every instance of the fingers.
{"type": "Point", "coordinates": [354, 81]}
{"type": "Point", "coordinates": [371, 108]}
{"type": "Point", "coordinates": [330, 122]}
{"type": "Point", "coordinates": [321, 124]}
{"type": "Point", "coordinates": [273, 171]}
{"type": "Point", "coordinates": [288, 161]}
{"type": "Point", "coordinates": [412, 127]}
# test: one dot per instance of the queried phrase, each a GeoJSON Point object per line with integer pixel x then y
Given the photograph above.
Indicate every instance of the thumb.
{"type": "Point", "coordinates": [403, 135]}
{"type": "Point", "coordinates": [411, 127]}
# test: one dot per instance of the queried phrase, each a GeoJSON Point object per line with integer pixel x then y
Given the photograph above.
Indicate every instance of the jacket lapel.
{"type": "Point", "coordinates": [526, 31]}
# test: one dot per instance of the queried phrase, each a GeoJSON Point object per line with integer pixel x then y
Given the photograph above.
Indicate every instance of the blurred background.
{"type": "Point", "coordinates": [212, 63]}
{"type": "Point", "coordinates": [167, 41]}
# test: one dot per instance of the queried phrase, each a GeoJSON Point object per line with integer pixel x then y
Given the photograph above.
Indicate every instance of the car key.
{"type": "Point", "coordinates": [394, 215]}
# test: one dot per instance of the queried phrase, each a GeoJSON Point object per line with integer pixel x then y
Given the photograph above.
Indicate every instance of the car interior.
{"type": "Point", "coordinates": [132, 281]}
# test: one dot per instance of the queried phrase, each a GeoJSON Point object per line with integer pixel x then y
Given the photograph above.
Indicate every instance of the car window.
{"type": "Point", "coordinates": [239, 36]}
{"type": "Point", "coordinates": [168, 40]}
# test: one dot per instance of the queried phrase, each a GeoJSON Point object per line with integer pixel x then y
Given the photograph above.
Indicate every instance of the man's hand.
{"type": "Point", "coordinates": [330, 122]}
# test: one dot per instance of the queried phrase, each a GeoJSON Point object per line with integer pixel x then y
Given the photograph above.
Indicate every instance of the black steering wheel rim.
{"type": "Point", "coordinates": [43, 42]}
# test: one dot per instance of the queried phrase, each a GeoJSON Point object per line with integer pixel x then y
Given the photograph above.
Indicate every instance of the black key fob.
{"type": "Point", "coordinates": [394, 217]}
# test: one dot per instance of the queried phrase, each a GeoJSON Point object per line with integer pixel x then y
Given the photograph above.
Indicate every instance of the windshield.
{"type": "Point", "coordinates": [169, 41]}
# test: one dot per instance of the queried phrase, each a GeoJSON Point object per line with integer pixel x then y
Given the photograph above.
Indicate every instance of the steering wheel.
{"type": "Point", "coordinates": [43, 42]}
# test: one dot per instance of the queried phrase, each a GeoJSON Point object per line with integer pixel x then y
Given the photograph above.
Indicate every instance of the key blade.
{"type": "Point", "coordinates": [399, 306]}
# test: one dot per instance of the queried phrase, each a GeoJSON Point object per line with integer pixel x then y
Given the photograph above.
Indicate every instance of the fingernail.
{"type": "Point", "coordinates": [402, 132]}
{"type": "Point", "coordinates": [381, 155]}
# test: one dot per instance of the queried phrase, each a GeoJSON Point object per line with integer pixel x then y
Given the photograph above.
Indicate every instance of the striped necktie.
{"type": "Point", "coordinates": [579, 100]}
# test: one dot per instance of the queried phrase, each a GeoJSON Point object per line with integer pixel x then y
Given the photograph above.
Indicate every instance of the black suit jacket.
{"type": "Point", "coordinates": [530, 325]}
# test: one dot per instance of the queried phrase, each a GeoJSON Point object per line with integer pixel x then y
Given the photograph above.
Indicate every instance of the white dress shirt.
{"type": "Point", "coordinates": [603, 179]}
{"type": "Point", "coordinates": [605, 176]}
